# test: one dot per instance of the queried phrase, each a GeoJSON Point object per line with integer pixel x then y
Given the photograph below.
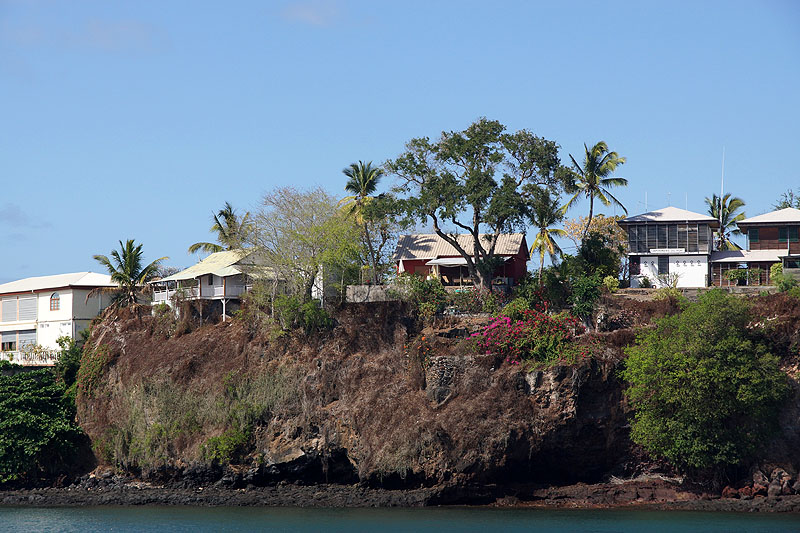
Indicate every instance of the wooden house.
{"type": "Point", "coordinates": [428, 254]}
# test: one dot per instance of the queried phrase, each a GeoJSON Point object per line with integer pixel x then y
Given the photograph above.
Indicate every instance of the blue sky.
{"type": "Point", "coordinates": [139, 119]}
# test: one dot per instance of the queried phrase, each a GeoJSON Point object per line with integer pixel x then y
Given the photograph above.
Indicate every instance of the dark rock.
{"type": "Point", "coordinates": [759, 478]}
{"type": "Point", "coordinates": [780, 475]}
{"type": "Point", "coordinates": [786, 488]}
{"type": "Point", "coordinates": [796, 486]}
{"type": "Point", "coordinates": [746, 493]}
{"type": "Point", "coordinates": [774, 489]}
{"type": "Point", "coordinates": [759, 489]}
{"type": "Point", "coordinates": [730, 492]}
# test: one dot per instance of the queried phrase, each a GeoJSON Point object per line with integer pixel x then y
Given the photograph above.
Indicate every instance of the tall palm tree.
{"type": "Point", "coordinates": [728, 228]}
{"type": "Point", "coordinates": [593, 178]}
{"type": "Point", "coordinates": [362, 182]}
{"type": "Point", "coordinates": [230, 229]}
{"type": "Point", "coordinates": [125, 267]}
{"type": "Point", "coordinates": [545, 212]}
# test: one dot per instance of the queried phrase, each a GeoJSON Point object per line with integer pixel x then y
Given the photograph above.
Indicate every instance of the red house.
{"type": "Point", "coordinates": [429, 254]}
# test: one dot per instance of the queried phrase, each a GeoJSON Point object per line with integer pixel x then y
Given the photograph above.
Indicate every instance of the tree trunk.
{"type": "Point", "coordinates": [589, 222]}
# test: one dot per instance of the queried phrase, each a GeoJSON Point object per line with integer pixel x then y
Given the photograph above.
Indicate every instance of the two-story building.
{"type": "Point", "coordinates": [35, 312]}
{"type": "Point", "coordinates": [771, 238]}
{"type": "Point", "coordinates": [670, 245]}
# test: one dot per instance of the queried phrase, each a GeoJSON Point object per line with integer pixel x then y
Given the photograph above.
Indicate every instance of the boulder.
{"type": "Point", "coordinates": [730, 492]}
{"type": "Point", "coordinates": [786, 488]}
{"type": "Point", "coordinates": [774, 489]}
{"type": "Point", "coordinates": [759, 489]}
{"type": "Point", "coordinates": [796, 486]}
{"type": "Point", "coordinates": [746, 493]}
{"type": "Point", "coordinates": [779, 475]}
{"type": "Point", "coordinates": [759, 478]}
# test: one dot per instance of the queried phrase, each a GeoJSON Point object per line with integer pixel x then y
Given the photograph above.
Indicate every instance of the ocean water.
{"type": "Point", "coordinates": [439, 520]}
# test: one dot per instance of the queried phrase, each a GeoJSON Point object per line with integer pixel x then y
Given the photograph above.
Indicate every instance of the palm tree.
{"type": "Point", "coordinates": [730, 206]}
{"type": "Point", "coordinates": [545, 212]}
{"type": "Point", "coordinates": [125, 267]}
{"type": "Point", "coordinates": [593, 179]}
{"type": "Point", "coordinates": [230, 229]}
{"type": "Point", "coordinates": [362, 182]}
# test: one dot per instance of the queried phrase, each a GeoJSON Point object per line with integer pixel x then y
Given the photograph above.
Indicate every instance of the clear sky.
{"type": "Point", "coordinates": [139, 119]}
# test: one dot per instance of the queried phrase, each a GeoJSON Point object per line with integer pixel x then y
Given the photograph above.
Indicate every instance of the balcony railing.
{"type": "Point", "coordinates": [161, 295]}
{"type": "Point", "coordinates": [34, 358]}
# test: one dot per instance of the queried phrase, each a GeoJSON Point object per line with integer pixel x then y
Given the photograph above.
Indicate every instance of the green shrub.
{"type": "Point", "coordinates": [38, 433]}
{"type": "Point", "coordinates": [645, 283]}
{"type": "Point", "coordinates": [672, 294]}
{"type": "Point", "coordinates": [93, 363]}
{"type": "Point", "coordinates": [227, 447]}
{"type": "Point", "coordinates": [705, 389]}
{"type": "Point", "coordinates": [418, 291]}
{"type": "Point", "coordinates": [611, 284]}
{"type": "Point", "coordinates": [69, 361]}
{"type": "Point", "coordinates": [585, 293]}
{"type": "Point", "coordinates": [314, 318]}
{"type": "Point", "coordinates": [775, 270]}
{"type": "Point", "coordinates": [784, 282]}
{"type": "Point", "coordinates": [515, 309]}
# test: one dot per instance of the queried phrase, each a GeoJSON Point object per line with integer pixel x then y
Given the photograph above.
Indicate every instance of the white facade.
{"type": "Point", "coordinates": [35, 312]}
{"type": "Point", "coordinates": [691, 271]}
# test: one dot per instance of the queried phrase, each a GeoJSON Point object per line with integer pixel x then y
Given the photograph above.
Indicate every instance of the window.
{"type": "Point", "coordinates": [663, 264]}
{"type": "Point", "coordinates": [55, 302]}
{"type": "Point", "coordinates": [210, 279]}
{"type": "Point", "coordinates": [9, 341]}
{"type": "Point", "coordinates": [752, 234]}
{"type": "Point", "coordinates": [787, 234]}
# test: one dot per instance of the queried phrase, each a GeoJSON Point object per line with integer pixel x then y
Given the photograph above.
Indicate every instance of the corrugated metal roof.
{"type": "Point", "coordinates": [743, 256]}
{"type": "Point", "coordinates": [669, 214]}
{"type": "Point", "coordinates": [74, 279]}
{"type": "Point", "coordinates": [222, 264]}
{"type": "Point", "coordinates": [431, 246]}
{"type": "Point", "coordinates": [790, 214]}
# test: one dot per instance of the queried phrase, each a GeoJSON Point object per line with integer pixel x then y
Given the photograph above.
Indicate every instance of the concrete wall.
{"type": "Point", "coordinates": [692, 270]}
{"type": "Point", "coordinates": [370, 293]}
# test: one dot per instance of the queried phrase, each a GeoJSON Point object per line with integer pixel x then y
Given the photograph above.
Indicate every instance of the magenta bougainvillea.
{"type": "Point", "coordinates": [536, 338]}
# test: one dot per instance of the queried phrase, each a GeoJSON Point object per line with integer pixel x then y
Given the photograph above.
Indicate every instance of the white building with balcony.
{"type": "Point", "coordinates": [222, 276]}
{"type": "Point", "coordinates": [35, 312]}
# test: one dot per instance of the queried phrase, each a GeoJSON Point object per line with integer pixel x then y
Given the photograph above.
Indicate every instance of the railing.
{"type": "Point", "coordinates": [36, 358]}
{"type": "Point", "coordinates": [216, 291]}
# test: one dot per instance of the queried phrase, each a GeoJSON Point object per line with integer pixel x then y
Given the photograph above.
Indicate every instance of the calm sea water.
{"type": "Point", "coordinates": [200, 519]}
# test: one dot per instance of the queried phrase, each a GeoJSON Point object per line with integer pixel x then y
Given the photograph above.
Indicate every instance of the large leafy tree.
{"type": "Point", "coordinates": [481, 181]}
{"type": "Point", "coordinates": [594, 178]}
{"type": "Point", "coordinates": [298, 232]}
{"type": "Point", "coordinates": [731, 214]}
{"type": "Point", "coordinates": [231, 230]}
{"type": "Point", "coordinates": [789, 198]}
{"type": "Point", "coordinates": [705, 389]}
{"type": "Point", "coordinates": [372, 213]}
{"type": "Point", "coordinates": [127, 271]}
{"type": "Point", "coordinates": [544, 214]}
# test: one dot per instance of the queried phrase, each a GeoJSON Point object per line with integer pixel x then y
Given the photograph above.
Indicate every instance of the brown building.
{"type": "Point", "coordinates": [771, 238]}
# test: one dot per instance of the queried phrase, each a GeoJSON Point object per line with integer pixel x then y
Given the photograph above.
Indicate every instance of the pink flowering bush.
{"type": "Point", "coordinates": [536, 338]}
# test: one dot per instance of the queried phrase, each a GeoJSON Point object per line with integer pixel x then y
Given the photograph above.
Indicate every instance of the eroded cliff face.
{"type": "Point", "coordinates": [227, 404]}
{"type": "Point", "coordinates": [352, 406]}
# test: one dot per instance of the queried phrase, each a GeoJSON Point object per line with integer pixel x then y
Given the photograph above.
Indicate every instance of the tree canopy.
{"type": "Point", "coordinates": [231, 230]}
{"type": "Point", "coordinates": [481, 180]}
{"type": "Point", "coordinates": [730, 216]}
{"type": "Point", "coordinates": [125, 267]}
{"type": "Point", "coordinates": [704, 386]}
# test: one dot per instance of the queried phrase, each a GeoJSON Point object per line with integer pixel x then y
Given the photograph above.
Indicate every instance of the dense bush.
{"type": "Point", "coordinates": [536, 338]}
{"type": "Point", "coordinates": [705, 389]}
{"type": "Point", "coordinates": [291, 313]}
{"type": "Point", "coordinates": [38, 434]}
{"type": "Point", "coordinates": [515, 309]}
{"type": "Point", "coordinates": [585, 294]}
{"type": "Point", "coordinates": [611, 284]}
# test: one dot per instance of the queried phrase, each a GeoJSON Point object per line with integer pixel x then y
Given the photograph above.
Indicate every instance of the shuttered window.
{"type": "Point", "coordinates": [9, 309]}
{"type": "Point", "coordinates": [663, 264]}
{"type": "Point", "coordinates": [752, 234]}
{"type": "Point", "coordinates": [9, 341]}
{"type": "Point", "coordinates": [27, 308]}
{"type": "Point", "coordinates": [27, 338]}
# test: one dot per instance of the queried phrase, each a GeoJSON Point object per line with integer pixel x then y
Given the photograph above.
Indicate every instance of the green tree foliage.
{"type": "Point", "coordinates": [545, 213]}
{"type": "Point", "coordinates": [125, 267]}
{"type": "Point", "coordinates": [37, 429]}
{"type": "Point", "coordinates": [788, 199]}
{"type": "Point", "coordinates": [299, 232]}
{"type": "Point", "coordinates": [373, 214]}
{"type": "Point", "coordinates": [584, 297]}
{"type": "Point", "coordinates": [705, 388]}
{"type": "Point", "coordinates": [730, 216]}
{"type": "Point", "coordinates": [594, 178]}
{"type": "Point", "coordinates": [478, 181]}
{"type": "Point", "coordinates": [231, 230]}
{"type": "Point", "coordinates": [69, 361]}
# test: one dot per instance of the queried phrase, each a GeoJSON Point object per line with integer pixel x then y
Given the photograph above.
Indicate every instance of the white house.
{"type": "Point", "coordinates": [34, 312]}
{"type": "Point", "coordinates": [222, 277]}
{"type": "Point", "coordinates": [670, 243]}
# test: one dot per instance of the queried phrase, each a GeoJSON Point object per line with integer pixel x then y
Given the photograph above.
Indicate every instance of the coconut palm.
{"type": "Point", "coordinates": [125, 267]}
{"type": "Point", "coordinates": [362, 182]}
{"type": "Point", "coordinates": [593, 178]}
{"type": "Point", "coordinates": [730, 216]}
{"type": "Point", "coordinates": [230, 229]}
{"type": "Point", "coordinates": [545, 212]}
